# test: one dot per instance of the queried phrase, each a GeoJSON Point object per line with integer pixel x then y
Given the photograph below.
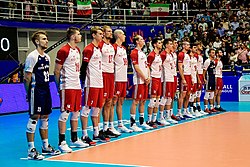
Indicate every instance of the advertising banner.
{"type": "Point", "coordinates": [244, 88]}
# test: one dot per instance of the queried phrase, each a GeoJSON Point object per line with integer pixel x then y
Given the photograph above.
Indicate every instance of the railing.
{"type": "Point", "coordinates": [59, 14]}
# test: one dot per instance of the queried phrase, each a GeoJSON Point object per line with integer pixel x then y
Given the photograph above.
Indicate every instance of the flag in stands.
{"type": "Point", "coordinates": [84, 7]}
{"type": "Point", "coordinates": [159, 9]}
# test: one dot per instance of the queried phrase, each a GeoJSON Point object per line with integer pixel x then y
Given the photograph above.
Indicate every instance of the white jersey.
{"type": "Point", "coordinates": [69, 58]}
{"type": "Point", "coordinates": [108, 53]}
{"type": "Point", "coordinates": [93, 56]}
{"type": "Point", "coordinates": [200, 64]}
{"type": "Point", "coordinates": [155, 63]}
{"type": "Point", "coordinates": [168, 66]}
{"type": "Point", "coordinates": [185, 59]}
{"type": "Point", "coordinates": [194, 69]}
{"type": "Point", "coordinates": [218, 68]}
{"type": "Point", "coordinates": [139, 58]}
{"type": "Point", "coordinates": [175, 63]}
{"type": "Point", "coordinates": [121, 64]}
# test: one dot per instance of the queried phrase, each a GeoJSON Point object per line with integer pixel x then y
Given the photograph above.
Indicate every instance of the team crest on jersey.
{"type": "Point", "coordinates": [39, 109]}
{"type": "Point", "coordinates": [91, 102]}
{"type": "Point", "coordinates": [118, 92]}
{"type": "Point", "coordinates": [46, 58]}
{"type": "Point", "coordinates": [68, 105]}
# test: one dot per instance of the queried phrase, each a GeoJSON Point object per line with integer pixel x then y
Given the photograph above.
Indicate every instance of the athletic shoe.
{"type": "Point", "coordinates": [34, 155]}
{"type": "Point", "coordinates": [158, 123]}
{"type": "Point", "coordinates": [220, 109]}
{"type": "Point", "coordinates": [115, 131]}
{"type": "Point", "coordinates": [197, 113]}
{"type": "Point", "coordinates": [104, 134]}
{"type": "Point", "coordinates": [151, 124]}
{"type": "Point", "coordinates": [188, 116]}
{"type": "Point", "coordinates": [146, 126]}
{"type": "Point", "coordinates": [135, 128]}
{"type": "Point", "coordinates": [180, 116]}
{"type": "Point", "coordinates": [87, 140]}
{"type": "Point", "coordinates": [203, 113]}
{"type": "Point", "coordinates": [175, 117]}
{"type": "Point", "coordinates": [124, 129]}
{"type": "Point", "coordinates": [64, 148]}
{"type": "Point", "coordinates": [109, 133]}
{"type": "Point", "coordinates": [191, 113]}
{"type": "Point", "coordinates": [208, 111]}
{"type": "Point", "coordinates": [172, 121]}
{"type": "Point", "coordinates": [101, 138]}
{"type": "Point", "coordinates": [164, 122]}
{"type": "Point", "coordinates": [78, 144]}
{"type": "Point", "coordinates": [50, 151]}
{"type": "Point", "coordinates": [213, 110]}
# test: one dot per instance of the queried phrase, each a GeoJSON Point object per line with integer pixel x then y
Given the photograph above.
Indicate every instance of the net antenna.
{"type": "Point", "coordinates": [97, 16]}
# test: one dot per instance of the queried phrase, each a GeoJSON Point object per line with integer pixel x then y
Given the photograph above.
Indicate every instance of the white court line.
{"type": "Point", "coordinates": [97, 163]}
{"type": "Point", "coordinates": [138, 134]}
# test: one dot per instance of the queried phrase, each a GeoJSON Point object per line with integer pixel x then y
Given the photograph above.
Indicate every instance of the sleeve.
{"type": "Point", "coordinates": [87, 54]}
{"type": "Point", "coordinates": [180, 57]}
{"type": "Point", "coordinates": [134, 57]}
{"type": "Point", "coordinates": [163, 56]}
{"type": "Point", "coordinates": [101, 45]}
{"type": "Point", "coordinates": [115, 48]}
{"type": "Point", "coordinates": [150, 58]}
{"type": "Point", "coordinates": [61, 56]}
{"type": "Point", "coordinates": [206, 64]}
{"type": "Point", "coordinates": [30, 63]}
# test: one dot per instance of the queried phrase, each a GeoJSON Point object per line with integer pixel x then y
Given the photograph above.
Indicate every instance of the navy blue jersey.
{"type": "Point", "coordinates": [209, 65]}
{"type": "Point", "coordinates": [39, 67]}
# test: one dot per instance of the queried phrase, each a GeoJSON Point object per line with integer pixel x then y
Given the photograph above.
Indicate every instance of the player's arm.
{"type": "Point", "coordinates": [27, 81]}
{"type": "Point", "coordinates": [180, 67]}
{"type": "Point", "coordinates": [206, 63]}
{"type": "Point", "coordinates": [86, 54]}
{"type": "Point", "coordinates": [57, 74]}
{"type": "Point", "coordinates": [140, 73]}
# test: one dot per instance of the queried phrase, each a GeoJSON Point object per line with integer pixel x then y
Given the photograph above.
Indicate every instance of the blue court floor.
{"type": "Point", "coordinates": [14, 146]}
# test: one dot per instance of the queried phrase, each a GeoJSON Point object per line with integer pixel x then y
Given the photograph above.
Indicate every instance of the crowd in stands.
{"type": "Point", "coordinates": [226, 27]}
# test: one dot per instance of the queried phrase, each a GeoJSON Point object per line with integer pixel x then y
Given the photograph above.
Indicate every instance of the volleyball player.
{"type": "Point", "coordinates": [141, 79]}
{"type": "Point", "coordinates": [67, 72]}
{"type": "Point", "coordinates": [36, 82]}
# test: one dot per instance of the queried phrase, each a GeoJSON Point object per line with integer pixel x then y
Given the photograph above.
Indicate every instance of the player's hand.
{"type": "Point", "coordinates": [147, 81]}
{"type": "Point", "coordinates": [184, 82]}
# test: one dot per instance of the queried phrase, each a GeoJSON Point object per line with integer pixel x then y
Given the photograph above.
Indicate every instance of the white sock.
{"type": "Point", "coordinates": [206, 106]}
{"type": "Point", "coordinates": [132, 116]}
{"type": "Point", "coordinates": [84, 133]}
{"type": "Point", "coordinates": [120, 123]}
{"type": "Point", "coordinates": [150, 118]}
{"type": "Point", "coordinates": [105, 126]}
{"type": "Point", "coordinates": [218, 106]}
{"type": "Point", "coordinates": [161, 115]}
{"type": "Point", "coordinates": [211, 106]}
{"type": "Point", "coordinates": [141, 115]}
{"type": "Point", "coordinates": [154, 117]}
{"type": "Point", "coordinates": [45, 143]}
{"type": "Point", "coordinates": [96, 131]}
{"type": "Point", "coordinates": [168, 114]}
{"type": "Point", "coordinates": [31, 145]}
{"type": "Point", "coordinates": [111, 124]}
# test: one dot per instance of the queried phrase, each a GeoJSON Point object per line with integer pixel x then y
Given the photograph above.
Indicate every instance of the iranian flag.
{"type": "Point", "coordinates": [84, 7]}
{"type": "Point", "coordinates": [157, 9]}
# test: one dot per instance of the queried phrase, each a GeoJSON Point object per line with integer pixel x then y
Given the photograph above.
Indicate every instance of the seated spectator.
{"type": "Point", "coordinates": [14, 78]}
{"type": "Point", "coordinates": [234, 24]}
{"type": "Point", "coordinates": [221, 30]}
{"type": "Point", "coordinates": [241, 11]}
{"type": "Point", "coordinates": [203, 24]}
{"type": "Point", "coordinates": [217, 43]}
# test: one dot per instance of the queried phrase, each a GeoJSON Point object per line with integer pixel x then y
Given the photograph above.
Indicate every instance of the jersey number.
{"type": "Point", "coordinates": [46, 76]}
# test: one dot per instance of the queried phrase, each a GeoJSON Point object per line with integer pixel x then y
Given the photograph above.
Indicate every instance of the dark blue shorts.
{"type": "Point", "coordinates": [40, 100]}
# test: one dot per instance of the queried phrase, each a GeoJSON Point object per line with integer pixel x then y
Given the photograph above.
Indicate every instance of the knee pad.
{"type": "Point", "coordinates": [152, 102]}
{"type": "Point", "coordinates": [95, 112]}
{"type": "Point", "coordinates": [64, 116]}
{"type": "Point", "coordinates": [198, 93]}
{"type": "Point", "coordinates": [211, 95]}
{"type": "Point", "coordinates": [163, 101]}
{"type": "Point", "coordinates": [157, 103]}
{"type": "Point", "coordinates": [31, 126]}
{"type": "Point", "coordinates": [74, 116]}
{"type": "Point", "coordinates": [85, 111]}
{"type": "Point", "coordinates": [44, 123]}
{"type": "Point", "coordinates": [169, 101]}
{"type": "Point", "coordinates": [207, 95]}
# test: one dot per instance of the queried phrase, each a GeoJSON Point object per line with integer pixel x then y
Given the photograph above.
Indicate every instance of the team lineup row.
{"type": "Point", "coordinates": [103, 74]}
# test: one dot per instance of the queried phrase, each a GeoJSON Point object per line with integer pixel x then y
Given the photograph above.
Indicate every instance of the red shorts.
{"type": "Point", "coordinates": [175, 85]}
{"type": "Point", "coordinates": [169, 90]}
{"type": "Point", "coordinates": [199, 85]}
{"type": "Point", "coordinates": [140, 92]}
{"type": "Point", "coordinates": [194, 88]}
{"type": "Point", "coordinates": [189, 83]}
{"type": "Point", "coordinates": [155, 87]}
{"type": "Point", "coordinates": [120, 89]}
{"type": "Point", "coordinates": [108, 85]}
{"type": "Point", "coordinates": [93, 97]}
{"type": "Point", "coordinates": [71, 99]}
{"type": "Point", "coordinates": [219, 83]}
